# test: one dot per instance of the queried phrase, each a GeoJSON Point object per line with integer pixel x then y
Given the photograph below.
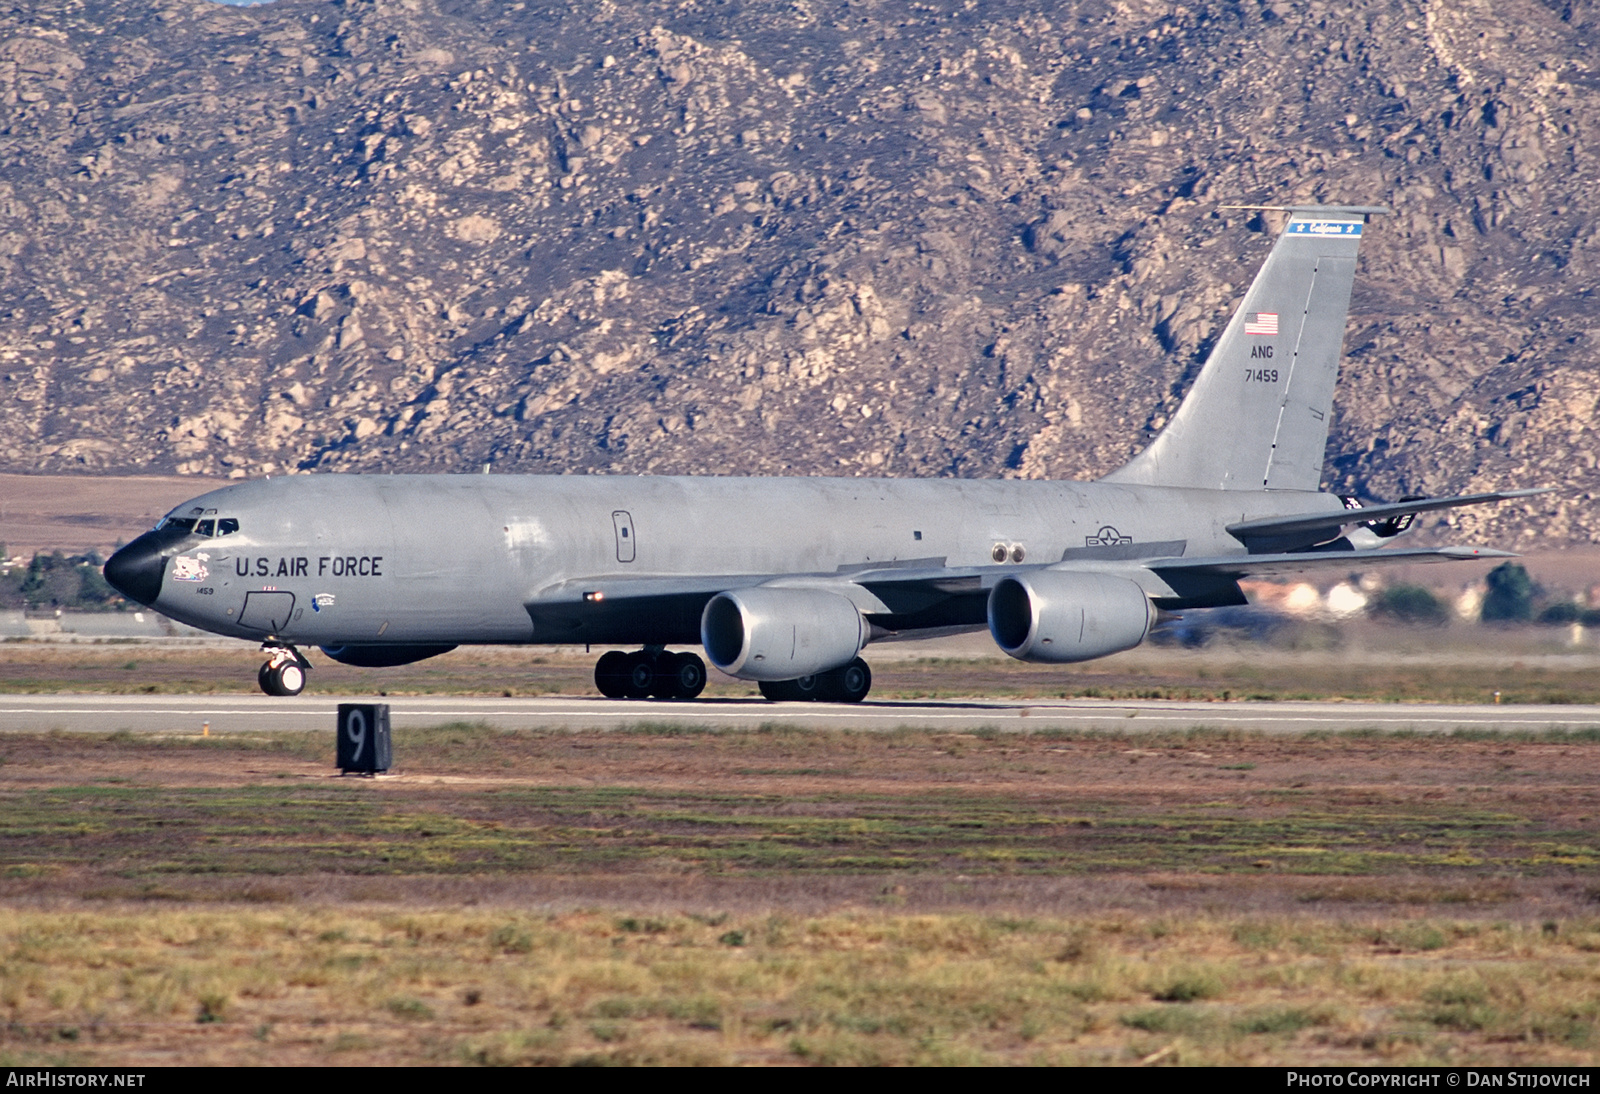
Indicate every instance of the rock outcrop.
{"type": "Point", "coordinates": [953, 237]}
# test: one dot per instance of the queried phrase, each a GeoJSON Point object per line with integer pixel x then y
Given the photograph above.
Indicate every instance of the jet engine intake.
{"type": "Point", "coordinates": [781, 634]}
{"type": "Point", "coordinates": [1061, 616]}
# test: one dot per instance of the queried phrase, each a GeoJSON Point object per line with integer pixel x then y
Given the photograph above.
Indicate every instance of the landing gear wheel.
{"type": "Point", "coordinates": [291, 678]}
{"type": "Point", "coordinates": [282, 680]}
{"type": "Point", "coordinates": [688, 675]}
{"type": "Point", "coordinates": [638, 675]}
{"type": "Point", "coordinates": [691, 676]}
{"type": "Point", "coordinates": [284, 674]}
{"type": "Point", "coordinates": [678, 676]}
{"type": "Point", "coordinates": [650, 672]}
{"type": "Point", "coordinates": [776, 691]}
{"type": "Point", "coordinates": [611, 675]}
{"type": "Point", "coordinates": [790, 691]}
{"type": "Point", "coordinates": [846, 684]}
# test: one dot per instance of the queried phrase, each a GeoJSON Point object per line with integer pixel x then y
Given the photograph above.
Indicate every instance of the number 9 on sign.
{"type": "Point", "coordinates": [363, 738]}
{"type": "Point", "coordinates": [355, 727]}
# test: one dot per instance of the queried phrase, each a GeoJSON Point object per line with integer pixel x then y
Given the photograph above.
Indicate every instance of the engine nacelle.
{"type": "Point", "coordinates": [781, 634]}
{"type": "Point", "coordinates": [1060, 615]}
{"type": "Point", "coordinates": [382, 657]}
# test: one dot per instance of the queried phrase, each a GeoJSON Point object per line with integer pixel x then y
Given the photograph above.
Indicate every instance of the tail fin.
{"type": "Point", "coordinates": [1257, 416]}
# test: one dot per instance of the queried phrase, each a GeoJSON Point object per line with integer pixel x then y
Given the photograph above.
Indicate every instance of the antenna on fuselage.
{"type": "Point", "coordinates": [1363, 210]}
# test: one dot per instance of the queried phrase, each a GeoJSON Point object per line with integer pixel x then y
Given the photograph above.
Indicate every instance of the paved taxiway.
{"type": "Point", "coordinates": [233, 713]}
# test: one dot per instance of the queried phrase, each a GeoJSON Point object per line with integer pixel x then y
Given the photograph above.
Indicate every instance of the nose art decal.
{"type": "Point", "coordinates": [185, 568]}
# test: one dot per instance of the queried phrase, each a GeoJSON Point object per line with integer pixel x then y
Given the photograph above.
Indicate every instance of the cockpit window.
{"type": "Point", "coordinates": [207, 527]}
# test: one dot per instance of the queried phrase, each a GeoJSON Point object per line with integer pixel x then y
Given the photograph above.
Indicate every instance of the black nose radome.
{"type": "Point", "coordinates": [135, 571]}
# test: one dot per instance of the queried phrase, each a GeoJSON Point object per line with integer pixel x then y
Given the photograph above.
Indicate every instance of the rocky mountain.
{"type": "Point", "coordinates": [858, 237]}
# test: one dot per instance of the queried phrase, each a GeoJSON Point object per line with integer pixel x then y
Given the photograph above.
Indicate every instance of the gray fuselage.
{"type": "Point", "coordinates": [363, 559]}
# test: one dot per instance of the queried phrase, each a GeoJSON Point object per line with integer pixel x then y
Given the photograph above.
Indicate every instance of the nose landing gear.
{"type": "Point", "coordinates": [651, 671]}
{"type": "Point", "coordinates": [845, 684]}
{"type": "Point", "coordinates": [284, 673]}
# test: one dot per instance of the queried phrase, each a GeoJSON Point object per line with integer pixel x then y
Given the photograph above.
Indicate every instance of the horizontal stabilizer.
{"type": "Point", "coordinates": [1237, 566]}
{"type": "Point", "coordinates": [1288, 533]}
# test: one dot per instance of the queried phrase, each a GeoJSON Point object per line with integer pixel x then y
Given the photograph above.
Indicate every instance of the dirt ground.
{"type": "Point", "coordinates": [77, 513]}
{"type": "Point", "coordinates": [814, 821]}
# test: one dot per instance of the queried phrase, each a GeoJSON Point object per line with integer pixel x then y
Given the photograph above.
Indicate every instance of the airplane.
{"type": "Point", "coordinates": [784, 581]}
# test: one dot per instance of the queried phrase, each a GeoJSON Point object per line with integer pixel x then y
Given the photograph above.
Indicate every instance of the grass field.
{"type": "Point", "coordinates": [779, 896]}
{"type": "Point", "coordinates": [503, 987]}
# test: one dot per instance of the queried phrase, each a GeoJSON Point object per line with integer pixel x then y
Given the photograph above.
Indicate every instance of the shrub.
{"type": "Point", "coordinates": [1564, 611]}
{"type": "Point", "coordinates": [1186, 988]}
{"type": "Point", "coordinates": [1410, 604]}
{"type": "Point", "coordinates": [1510, 595]}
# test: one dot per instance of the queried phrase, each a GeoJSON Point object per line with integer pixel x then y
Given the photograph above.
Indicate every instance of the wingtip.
{"type": "Point", "coordinates": [1470, 553]}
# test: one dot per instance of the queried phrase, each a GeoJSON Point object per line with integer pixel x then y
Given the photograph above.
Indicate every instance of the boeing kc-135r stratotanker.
{"type": "Point", "coordinates": [785, 581]}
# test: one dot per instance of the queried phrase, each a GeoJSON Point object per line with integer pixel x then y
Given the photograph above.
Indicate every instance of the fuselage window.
{"type": "Point", "coordinates": [227, 526]}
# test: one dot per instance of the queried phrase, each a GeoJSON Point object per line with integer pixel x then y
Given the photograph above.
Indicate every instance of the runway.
{"type": "Point", "coordinates": [186, 714]}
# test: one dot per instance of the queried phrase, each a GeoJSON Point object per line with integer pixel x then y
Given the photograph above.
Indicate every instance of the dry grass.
{"type": "Point", "coordinates": [332, 986]}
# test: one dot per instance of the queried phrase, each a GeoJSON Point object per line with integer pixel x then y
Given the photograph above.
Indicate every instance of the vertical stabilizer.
{"type": "Point", "coordinates": [1257, 416]}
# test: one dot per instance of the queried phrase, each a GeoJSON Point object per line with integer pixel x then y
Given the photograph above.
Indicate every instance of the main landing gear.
{"type": "Point", "coordinates": [845, 684]}
{"type": "Point", "coordinates": [650, 671]}
{"type": "Point", "coordinates": [285, 671]}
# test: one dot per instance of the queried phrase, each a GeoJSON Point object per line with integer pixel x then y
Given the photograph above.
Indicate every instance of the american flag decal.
{"type": "Point", "coordinates": [1265, 322]}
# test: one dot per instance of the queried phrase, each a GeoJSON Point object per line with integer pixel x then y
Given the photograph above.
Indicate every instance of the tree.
{"type": "Point", "coordinates": [93, 588]}
{"type": "Point", "coordinates": [1562, 611]}
{"type": "Point", "coordinates": [1510, 595]}
{"type": "Point", "coordinates": [1410, 604]}
{"type": "Point", "coordinates": [35, 589]}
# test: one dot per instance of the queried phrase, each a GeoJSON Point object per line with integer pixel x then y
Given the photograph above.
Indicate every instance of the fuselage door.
{"type": "Point", "coordinates": [267, 611]}
{"type": "Point", "coordinates": [624, 526]}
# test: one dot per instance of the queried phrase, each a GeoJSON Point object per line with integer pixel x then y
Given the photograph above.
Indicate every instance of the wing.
{"type": "Point", "coordinates": [920, 597]}
{"type": "Point", "coordinates": [910, 594]}
{"type": "Point", "coordinates": [1214, 582]}
{"type": "Point", "coordinates": [1297, 562]}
